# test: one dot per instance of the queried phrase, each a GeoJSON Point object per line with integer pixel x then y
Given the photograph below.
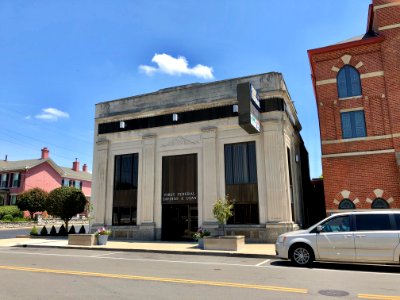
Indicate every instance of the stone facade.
{"type": "Point", "coordinates": [280, 131]}
{"type": "Point", "coordinates": [355, 168]}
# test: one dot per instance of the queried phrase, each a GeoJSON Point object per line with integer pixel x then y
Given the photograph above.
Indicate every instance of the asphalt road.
{"type": "Point", "coordinates": [32, 273]}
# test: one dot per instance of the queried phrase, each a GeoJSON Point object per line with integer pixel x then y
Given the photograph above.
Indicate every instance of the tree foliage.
{"type": "Point", "coordinates": [65, 202]}
{"type": "Point", "coordinates": [223, 210]}
{"type": "Point", "coordinates": [32, 200]}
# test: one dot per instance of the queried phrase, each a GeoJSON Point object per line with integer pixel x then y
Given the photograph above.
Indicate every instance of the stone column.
{"type": "Point", "coordinates": [278, 200]}
{"type": "Point", "coordinates": [209, 173]}
{"type": "Point", "coordinates": [99, 181]}
{"type": "Point", "coordinates": [148, 176]}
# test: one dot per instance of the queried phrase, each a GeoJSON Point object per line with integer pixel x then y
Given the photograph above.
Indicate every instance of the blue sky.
{"type": "Point", "coordinates": [59, 58]}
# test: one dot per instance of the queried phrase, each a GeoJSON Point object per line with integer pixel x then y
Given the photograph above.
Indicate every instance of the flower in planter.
{"type": "Point", "coordinates": [103, 231]}
{"type": "Point", "coordinates": [200, 233]}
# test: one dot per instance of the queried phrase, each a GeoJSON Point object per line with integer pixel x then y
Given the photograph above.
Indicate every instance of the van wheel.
{"type": "Point", "coordinates": [302, 255]}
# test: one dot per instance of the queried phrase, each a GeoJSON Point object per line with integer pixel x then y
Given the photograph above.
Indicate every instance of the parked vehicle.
{"type": "Point", "coordinates": [361, 237]}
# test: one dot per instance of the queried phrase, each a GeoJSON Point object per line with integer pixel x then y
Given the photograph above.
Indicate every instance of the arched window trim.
{"type": "Point", "coordinates": [346, 204]}
{"type": "Point", "coordinates": [348, 82]}
{"type": "Point", "coordinates": [381, 201]}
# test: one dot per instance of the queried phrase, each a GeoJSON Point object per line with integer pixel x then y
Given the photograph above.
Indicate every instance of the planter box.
{"type": "Point", "coordinates": [224, 243]}
{"type": "Point", "coordinates": [81, 239]}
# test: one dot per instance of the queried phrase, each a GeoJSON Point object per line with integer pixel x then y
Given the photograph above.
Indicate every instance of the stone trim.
{"type": "Point", "coordinates": [359, 65]}
{"type": "Point", "coordinates": [369, 138]}
{"type": "Point", "coordinates": [351, 109]}
{"type": "Point", "coordinates": [386, 5]}
{"type": "Point", "coordinates": [372, 74]}
{"type": "Point", "coordinates": [389, 27]}
{"type": "Point", "coordinates": [346, 59]}
{"type": "Point", "coordinates": [326, 81]}
{"type": "Point", "coordinates": [345, 194]}
{"type": "Point", "coordinates": [358, 153]}
{"type": "Point", "coordinates": [335, 69]}
{"type": "Point", "coordinates": [350, 98]}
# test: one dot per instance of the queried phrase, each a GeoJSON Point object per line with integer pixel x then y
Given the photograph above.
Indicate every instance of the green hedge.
{"type": "Point", "coordinates": [10, 210]}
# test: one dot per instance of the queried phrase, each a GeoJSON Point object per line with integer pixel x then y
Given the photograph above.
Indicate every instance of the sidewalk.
{"type": "Point", "coordinates": [249, 250]}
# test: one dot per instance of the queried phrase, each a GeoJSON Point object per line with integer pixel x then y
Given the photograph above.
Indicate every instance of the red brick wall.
{"type": "Point", "coordinates": [362, 174]}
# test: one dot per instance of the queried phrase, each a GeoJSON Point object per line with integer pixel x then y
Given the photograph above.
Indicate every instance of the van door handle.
{"type": "Point", "coordinates": [348, 236]}
{"type": "Point", "coordinates": [360, 235]}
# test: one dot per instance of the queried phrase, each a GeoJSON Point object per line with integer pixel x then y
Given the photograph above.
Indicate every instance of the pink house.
{"type": "Point", "coordinates": [22, 175]}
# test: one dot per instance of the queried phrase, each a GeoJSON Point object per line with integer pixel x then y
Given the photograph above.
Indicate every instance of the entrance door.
{"type": "Point", "coordinates": [179, 197]}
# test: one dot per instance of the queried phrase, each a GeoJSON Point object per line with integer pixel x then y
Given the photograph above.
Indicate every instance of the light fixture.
{"type": "Point", "coordinates": [297, 157]}
{"type": "Point", "coordinates": [175, 117]}
{"type": "Point", "coordinates": [122, 124]}
{"type": "Point", "coordinates": [235, 108]}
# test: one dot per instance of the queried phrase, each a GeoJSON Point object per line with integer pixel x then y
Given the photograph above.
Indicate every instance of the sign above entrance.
{"type": "Point", "coordinates": [185, 197]}
{"type": "Point", "coordinates": [249, 108]}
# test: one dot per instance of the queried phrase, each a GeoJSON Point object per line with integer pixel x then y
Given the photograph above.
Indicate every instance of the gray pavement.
{"type": "Point", "coordinates": [191, 248]}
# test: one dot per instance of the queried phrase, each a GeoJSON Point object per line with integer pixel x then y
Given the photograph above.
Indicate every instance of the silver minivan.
{"type": "Point", "coordinates": [364, 237]}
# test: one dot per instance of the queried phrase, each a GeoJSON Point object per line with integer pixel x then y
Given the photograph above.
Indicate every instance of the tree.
{"type": "Point", "coordinates": [65, 202]}
{"type": "Point", "coordinates": [223, 211]}
{"type": "Point", "coordinates": [32, 200]}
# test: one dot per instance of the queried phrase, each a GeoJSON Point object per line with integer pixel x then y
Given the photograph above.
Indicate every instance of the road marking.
{"type": "Point", "coordinates": [383, 297]}
{"type": "Point", "coordinates": [102, 255]}
{"type": "Point", "coordinates": [134, 259]}
{"type": "Point", "coordinates": [159, 279]}
{"type": "Point", "coordinates": [263, 262]}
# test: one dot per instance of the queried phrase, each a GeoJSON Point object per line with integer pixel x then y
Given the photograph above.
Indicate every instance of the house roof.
{"type": "Point", "coordinates": [19, 165]}
{"type": "Point", "coordinates": [368, 35]}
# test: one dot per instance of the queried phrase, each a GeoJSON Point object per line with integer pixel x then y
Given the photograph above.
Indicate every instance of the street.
{"type": "Point", "coordinates": [33, 273]}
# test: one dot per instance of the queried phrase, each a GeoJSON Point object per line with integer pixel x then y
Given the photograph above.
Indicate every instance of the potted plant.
{"type": "Point", "coordinates": [223, 211]}
{"type": "Point", "coordinates": [102, 235]}
{"type": "Point", "coordinates": [199, 235]}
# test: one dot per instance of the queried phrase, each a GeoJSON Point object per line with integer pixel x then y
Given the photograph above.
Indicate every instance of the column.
{"type": "Point", "coordinates": [148, 176]}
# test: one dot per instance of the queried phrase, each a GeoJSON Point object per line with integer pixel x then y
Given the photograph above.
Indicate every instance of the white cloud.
{"type": "Point", "coordinates": [28, 117]}
{"type": "Point", "coordinates": [52, 114]}
{"type": "Point", "coordinates": [176, 66]}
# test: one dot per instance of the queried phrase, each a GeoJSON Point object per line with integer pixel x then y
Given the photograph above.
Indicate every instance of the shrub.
{"type": "Point", "coordinates": [44, 231]}
{"type": "Point", "coordinates": [9, 210]}
{"type": "Point", "coordinates": [72, 230]}
{"type": "Point", "coordinates": [222, 211]}
{"type": "Point", "coordinates": [62, 231]}
{"type": "Point", "coordinates": [32, 200]}
{"type": "Point", "coordinates": [53, 231]}
{"type": "Point", "coordinates": [82, 230]}
{"type": "Point", "coordinates": [34, 231]}
{"type": "Point", "coordinates": [65, 202]}
{"type": "Point", "coordinates": [7, 218]}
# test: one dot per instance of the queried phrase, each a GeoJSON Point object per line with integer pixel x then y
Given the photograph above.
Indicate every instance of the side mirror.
{"type": "Point", "coordinates": [319, 228]}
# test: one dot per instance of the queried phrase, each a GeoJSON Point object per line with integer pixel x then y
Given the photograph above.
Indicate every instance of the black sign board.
{"type": "Point", "coordinates": [249, 107]}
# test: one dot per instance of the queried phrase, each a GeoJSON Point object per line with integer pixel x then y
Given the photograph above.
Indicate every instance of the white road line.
{"type": "Point", "coordinates": [133, 259]}
{"type": "Point", "coordinates": [101, 255]}
{"type": "Point", "coordinates": [263, 262]}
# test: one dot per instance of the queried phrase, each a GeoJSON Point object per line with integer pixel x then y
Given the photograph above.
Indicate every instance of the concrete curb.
{"type": "Point", "coordinates": [178, 252]}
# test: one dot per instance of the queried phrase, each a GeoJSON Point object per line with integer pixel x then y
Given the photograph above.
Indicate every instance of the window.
{"type": "Point", "coordinates": [337, 224]}
{"type": "Point", "coordinates": [241, 182]}
{"type": "Point", "coordinates": [125, 189]}
{"type": "Point", "coordinates": [353, 124]}
{"type": "Point", "coordinates": [4, 180]}
{"type": "Point", "coordinates": [77, 184]}
{"type": "Point", "coordinates": [13, 199]}
{"type": "Point", "coordinates": [348, 82]}
{"type": "Point", "coordinates": [373, 222]}
{"type": "Point", "coordinates": [16, 180]}
{"type": "Point", "coordinates": [65, 182]}
{"type": "Point", "coordinates": [346, 204]}
{"type": "Point", "coordinates": [380, 203]}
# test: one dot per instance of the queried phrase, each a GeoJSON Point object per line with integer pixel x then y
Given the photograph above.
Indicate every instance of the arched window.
{"type": "Point", "coordinates": [348, 82]}
{"type": "Point", "coordinates": [346, 204]}
{"type": "Point", "coordinates": [380, 203]}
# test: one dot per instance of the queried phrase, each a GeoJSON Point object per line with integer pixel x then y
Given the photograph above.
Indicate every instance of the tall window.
{"type": "Point", "coordinates": [125, 189]}
{"type": "Point", "coordinates": [380, 203]}
{"type": "Point", "coordinates": [346, 204]}
{"type": "Point", "coordinates": [241, 182]}
{"type": "Point", "coordinates": [4, 180]}
{"type": "Point", "coordinates": [353, 124]}
{"type": "Point", "coordinates": [16, 180]}
{"type": "Point", "coordinates": [348, 82]}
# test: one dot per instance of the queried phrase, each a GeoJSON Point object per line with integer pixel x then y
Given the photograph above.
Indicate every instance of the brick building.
{"type": "Point", "coordinates": [19, 176]}
{"type": "Point", "coordinates": [357, 89]}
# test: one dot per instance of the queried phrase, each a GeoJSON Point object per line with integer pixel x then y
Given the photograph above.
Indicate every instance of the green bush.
{"type": "Point", "coordinates": [72, 230]}
{"type": "Point", "coordinates": [34, 231]}
{"type": "Point", "coordinates": [82, 230]}
{"type": "Point", "coordinates": [9, 210]}
{"type": "Point", "coordinates": [7, 218]}
{"type": "Point", "coordinates": [62, 231]}
{"type": "Point", "coordinates": [44, 231]}
{"type": "Point", "coordinates": [53, 231]}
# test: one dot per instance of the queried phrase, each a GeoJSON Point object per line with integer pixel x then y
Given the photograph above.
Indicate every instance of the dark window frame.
{"type": "Point", "coordinates": [345, 204]}
{"type": "Point", "coordinates": [384, 204]}
{"type": "Point", "coordinates": [348, 82]}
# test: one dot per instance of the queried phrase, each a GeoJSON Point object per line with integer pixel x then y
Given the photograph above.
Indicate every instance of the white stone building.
{"type": "Point", "coordinates": [161, 160]}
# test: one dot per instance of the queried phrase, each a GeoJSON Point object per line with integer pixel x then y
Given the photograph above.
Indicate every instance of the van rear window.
{"type": "Point", "coordinates": [397, 217]}
{"type": "Point", "coordinates": [373, 222]}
